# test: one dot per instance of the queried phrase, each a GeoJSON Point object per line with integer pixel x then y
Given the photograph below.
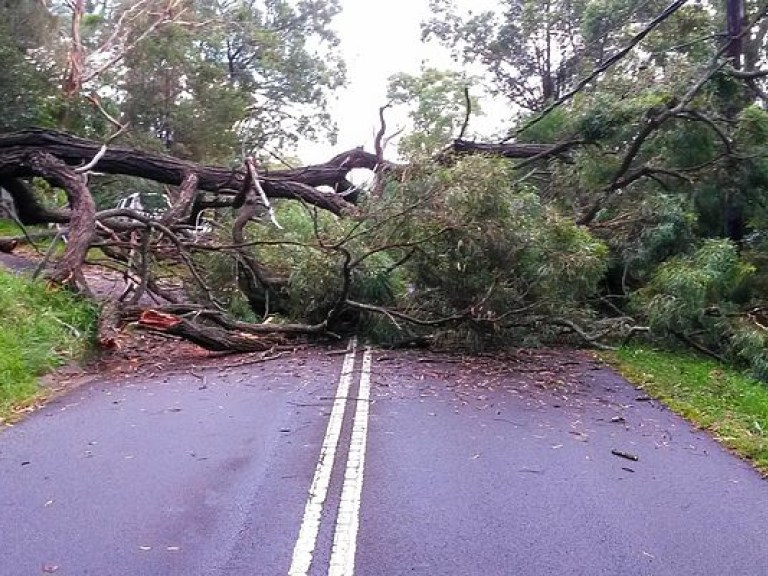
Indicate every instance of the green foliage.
{"type": "Point", "coordinates": [729, 404]}
{"type": "Point", "coordinates": [304, 258]}
{"type": "Point", "coordinates": [699, 295]}
{"type": "Point", "coordinates": [488, 247]}
{"type": "Point", "coordinates": [685, 145]}
{"type": "Point", "coordinates": [463, 240]}
{"type": "Point", "coordinates": [752, 130]}
{"type": "Point", "coordinates": [40, 329]}
{"type": "Point", "coordinates": [664, 227]}
{"type": "Point", "coordinates": [235, 76]}
{"type": "Point", "coordinates": [554, 127]}
{"type": "Point", "coordinates": [750, 345]}
{"type": "Point", "coordinates": [607, 117]}
{"type": "Point", "coordinates": [437, 108]}
{"type": "Point", "coordinates": [219, 273]}
{"type": "Point", "coordinates": [24, 88]}
{"type": "Point", "coordinates": [683, 290]}
{"type": "Point", "coordinates": [224, 78]}
{"type": "Point", "coordinates": [536, 51]}
{"type": "Point", "coordinates": [313, 265]}
{"type": "Point", "coordinates": [527, 45]}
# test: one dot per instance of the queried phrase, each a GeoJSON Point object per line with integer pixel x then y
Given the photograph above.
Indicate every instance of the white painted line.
{"type": "Point", "coordinates": [348, 519]}
{"type": "Point", "coordinates": [318, 490]}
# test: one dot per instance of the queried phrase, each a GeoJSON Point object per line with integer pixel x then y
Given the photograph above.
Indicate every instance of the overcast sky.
{"type": "Point", "coordinates": [378, 38]}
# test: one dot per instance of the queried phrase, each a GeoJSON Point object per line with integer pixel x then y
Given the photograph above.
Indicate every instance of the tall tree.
{"type": "Point", "coordinates": [25, 26]}
{"type": "Point", "coordinates": [235, 75]}
{"type": "Point", "coordinates": [438, 104]}
{"type": "Point", "coordinates": [538, 50]}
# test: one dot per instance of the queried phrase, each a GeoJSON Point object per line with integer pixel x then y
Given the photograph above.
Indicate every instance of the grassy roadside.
{"type": "Point", "coordinates": [40, 329]}
{"type": "Point", "coordinates": [732, 406]}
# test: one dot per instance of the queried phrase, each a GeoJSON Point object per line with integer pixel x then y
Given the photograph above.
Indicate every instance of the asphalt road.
{"type": "Point", "coordinates": [514, 466]}
{"type": "Point", "coordinates": [16, 263]}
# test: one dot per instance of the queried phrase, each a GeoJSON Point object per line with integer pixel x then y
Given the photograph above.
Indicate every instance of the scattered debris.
{"type": "Point", "coordinates": [627, 455]}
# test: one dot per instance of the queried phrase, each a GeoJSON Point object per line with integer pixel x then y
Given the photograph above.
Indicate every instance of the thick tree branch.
{"type": "Point", "coordinates": [299, 184]}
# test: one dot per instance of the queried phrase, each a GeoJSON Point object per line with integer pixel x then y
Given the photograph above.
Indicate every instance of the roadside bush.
{"type": "Point", "coordinates": [696, 297]}
{"type": "Point", "coordinates": [750, 345]}
{"type": "Point", "coordinates": [683, 293]}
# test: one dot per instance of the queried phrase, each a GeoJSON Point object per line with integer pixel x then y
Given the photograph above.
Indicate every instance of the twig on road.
{"type": "Point", "coordinates": [626, 455]}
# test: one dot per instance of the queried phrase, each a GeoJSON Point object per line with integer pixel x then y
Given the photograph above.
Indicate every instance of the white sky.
{"type": "Point", "coordinates": [378, 38]}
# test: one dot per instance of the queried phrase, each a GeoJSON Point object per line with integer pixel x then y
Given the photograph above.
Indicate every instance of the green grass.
{"type": "Point", "coordinates": [40, 329]}
{"type": "Point", "coordinates": [733, 406]}
{"type": "Point", "coordinates": [8, 228]}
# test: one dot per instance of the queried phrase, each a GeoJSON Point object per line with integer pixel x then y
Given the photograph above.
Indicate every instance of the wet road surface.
{"type": "Point", "coordinates": [534, 464]}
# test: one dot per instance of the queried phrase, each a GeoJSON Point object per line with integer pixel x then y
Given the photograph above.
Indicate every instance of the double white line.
{"type": "Point", "coordinates": [342, 561]}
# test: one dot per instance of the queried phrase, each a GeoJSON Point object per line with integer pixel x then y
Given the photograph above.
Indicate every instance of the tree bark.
{"type": "Point", "coordinates": [253, 278]}
{"type": "Point", "coordinates": [296, 184]}
{"type": "Point", "coordinates": [109, 325]}
{"type": "Point", "coordinates": [208, 337]}
{"type": "Point", "coordinates": [82, 223]}
{"type": "Point", "coordinates": [28, 208]}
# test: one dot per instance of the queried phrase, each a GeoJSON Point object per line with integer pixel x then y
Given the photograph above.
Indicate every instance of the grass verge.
{"type": "Point", "coordinates": [732, 406]}
{"type": "Point", "coordinates": [40, 329]}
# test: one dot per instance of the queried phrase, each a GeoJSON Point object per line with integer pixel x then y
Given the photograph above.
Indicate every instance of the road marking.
{"type": "Point", "coordinates": [318, 490]}
{"type": "Point", "coordinates": [348, 519]}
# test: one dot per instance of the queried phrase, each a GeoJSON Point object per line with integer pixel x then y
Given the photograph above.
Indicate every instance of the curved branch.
{"type": "Point", "coordinates": [82, 224]}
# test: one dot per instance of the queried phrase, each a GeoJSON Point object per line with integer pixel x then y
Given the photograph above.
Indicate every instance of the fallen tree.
{"type": "Point", "coordinates": [136, 242]}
